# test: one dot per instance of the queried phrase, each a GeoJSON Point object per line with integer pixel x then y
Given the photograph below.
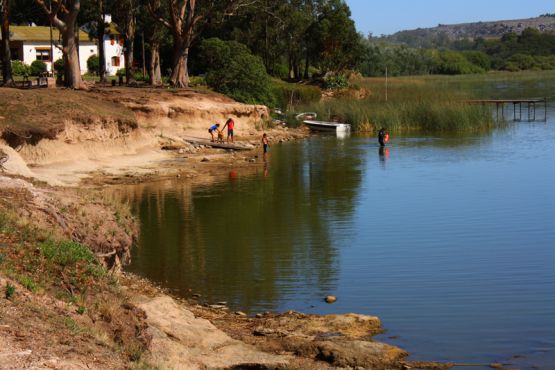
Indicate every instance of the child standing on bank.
{"type": "Point", "coordinates": [230, 124]}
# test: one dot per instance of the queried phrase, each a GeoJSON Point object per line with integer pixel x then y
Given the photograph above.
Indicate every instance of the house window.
{"type": "Point", "coordinates": [43, 55]}
{"type": "Point", "coordinates": [115, 61]}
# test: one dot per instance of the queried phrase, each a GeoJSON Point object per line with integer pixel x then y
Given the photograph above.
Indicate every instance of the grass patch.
{"type": "Point", "coordinates": [288, 95]}
{"type": "Point", "coordinates": [28, 283]}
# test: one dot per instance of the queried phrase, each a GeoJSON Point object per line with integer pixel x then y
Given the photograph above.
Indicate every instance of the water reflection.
{"type": "Point", "coordinates": [256, 243]}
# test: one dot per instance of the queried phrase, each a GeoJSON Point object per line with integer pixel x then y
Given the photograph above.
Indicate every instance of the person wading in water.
{"type": "Point", "coordinates": [265, 146]}
{"type": "Point", "coordinates": [383, 137]}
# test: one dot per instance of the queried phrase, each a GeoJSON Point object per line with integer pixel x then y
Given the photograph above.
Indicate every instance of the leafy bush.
{"type": "Point", "coordinates": [38, 67]}
{"type": "Point", "coordinates": [522, 61]}
{"type": "Point", "coordinates": [66, 253]}
{"type": "Point", "coordinates": [478, 58]}
{"type": "Point", "coordinates": [335, 82]}
{"type": "Point", "coordinates": [197, 81]}
{"type": "Point", "coordinates": [59, 67]}
{"type": "Point", "coordinates": [20, 69]}
{"type": "Point", "coordinates": [454, 63]}
{"type": "Point", "coordinates": [233, 70]}
{"type": "Point", "coordinates": [93, 64]}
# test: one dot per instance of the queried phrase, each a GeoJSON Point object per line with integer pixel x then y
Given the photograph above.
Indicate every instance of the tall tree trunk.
{"type": "Point", "coordinates": [180, 74]}
{"type": "Point", "coordinates": [67, 28]}
{"type": "Point", "coordinates": [5, 47]}
{"type": "Point", "coordinates": [154, 71]}
{"type": "Point", "coordinates": [130, 49]}
{"type": "Point", "coordinates": [306, 65]}
{"type": "Point", "coordinates": [71, 66]}
{"type": "Point", "coordinates": [101, 30]}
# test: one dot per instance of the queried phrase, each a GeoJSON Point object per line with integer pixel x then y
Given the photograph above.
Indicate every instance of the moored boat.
{"type": "Point", "coordinates": [328, 126]}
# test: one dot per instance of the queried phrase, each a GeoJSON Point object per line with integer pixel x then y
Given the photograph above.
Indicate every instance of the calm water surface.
{"type": "Point", "coordinates": [449, 240]}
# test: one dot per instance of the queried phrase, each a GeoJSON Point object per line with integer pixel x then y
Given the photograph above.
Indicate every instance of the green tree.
{"type": "Point", "coordinates": [63, 15]}
{"type": "Point", "coordinates": [233, 70]}
{"type": "Point", "coordinates": [339, 44]}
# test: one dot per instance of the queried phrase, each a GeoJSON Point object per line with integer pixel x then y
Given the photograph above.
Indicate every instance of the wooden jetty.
{"type": "Point", "coordinates": [529, 103]}
{"type": "Point", "coordinates": [215, 144]}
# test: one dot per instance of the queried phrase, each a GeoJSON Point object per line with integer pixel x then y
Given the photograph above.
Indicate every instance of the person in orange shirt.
{"type": "Point", "coordinates": [230, 126]}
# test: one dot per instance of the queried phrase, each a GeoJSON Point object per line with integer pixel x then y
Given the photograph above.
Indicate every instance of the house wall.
{"type": "Point", "coordinates": [86, 49]}
{"type": "Point", "coordinates": [113, 51]}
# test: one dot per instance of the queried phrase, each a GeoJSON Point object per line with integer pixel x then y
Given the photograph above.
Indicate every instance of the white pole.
{"type": "Point", "coordinates": [386, 83]}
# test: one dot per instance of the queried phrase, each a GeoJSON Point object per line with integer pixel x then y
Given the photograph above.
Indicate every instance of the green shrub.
{"type": "Point", "coordinates": [233, 70]}
{"type": "Point", "coordinates": [138, 76]}
{"type": "Point", "coordinates": [336, 82]}
{"type": "Point", "coordinates": [120, 72]}
{"type": "Point", "coordinates": [93, 64]}
{"type": "Point", "coordinates": [38, 67]}
{"type": "Point", "coordinates": [454, 63]}
{"type": "Point", "coordinates": [197, 81]}
{"type": "Point", "coordinates": [523, 61]}
{"type": "Point", "coordinates": [20, 69]}
{"type": "Point", "coordinates": [10, 291]}
{"type": "Point", "coordinates": [66, 253]}
{"type": "Point", "coordinates": [478, 58]}
{"type": "Point", "coordinates": [59, 67]}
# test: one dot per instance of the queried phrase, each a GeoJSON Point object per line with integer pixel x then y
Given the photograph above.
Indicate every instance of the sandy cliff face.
{"type": "Point", "coordinates": [78, 143]}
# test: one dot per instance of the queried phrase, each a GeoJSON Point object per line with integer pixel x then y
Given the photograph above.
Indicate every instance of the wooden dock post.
{"type": "Point", "coordinates": [531, 105]}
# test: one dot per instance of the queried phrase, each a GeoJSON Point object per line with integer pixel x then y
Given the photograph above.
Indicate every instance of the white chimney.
{"type": "Point", "coordinates": [108, 18]}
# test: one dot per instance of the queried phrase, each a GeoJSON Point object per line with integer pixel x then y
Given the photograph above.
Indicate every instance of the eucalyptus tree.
{"type": "Point", "coordinates": [63, 15]}
{"type": "Point", "coordinates": [338, 43]}
{"type": "Point", "coordinates": [125, 13]}
{"type": "Point", "coordinates": [184, 19]}
{"type": "Point", "coordinates": [5, 47]}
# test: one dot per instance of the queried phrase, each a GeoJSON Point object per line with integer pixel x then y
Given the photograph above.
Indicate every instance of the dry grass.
{"type": "Point", "coordinates": [36, 114]}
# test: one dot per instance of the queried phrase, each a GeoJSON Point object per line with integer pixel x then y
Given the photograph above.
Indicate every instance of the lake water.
{"type": "Point", "coordinates": [449, 240]}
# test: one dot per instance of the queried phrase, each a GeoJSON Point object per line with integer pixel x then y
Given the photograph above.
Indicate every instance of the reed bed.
{"type": "Point", "coordinates": [412, 105]}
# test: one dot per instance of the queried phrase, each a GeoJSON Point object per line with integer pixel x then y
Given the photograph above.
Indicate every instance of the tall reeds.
{"type": "Point", "coordinates": [412, 104]}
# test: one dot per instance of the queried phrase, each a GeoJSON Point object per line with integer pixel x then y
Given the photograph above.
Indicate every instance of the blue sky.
{"type": "Point", "coordinates": [389, 16]}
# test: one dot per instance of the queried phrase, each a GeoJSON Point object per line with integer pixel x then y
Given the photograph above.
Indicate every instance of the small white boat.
{"type": "Point", "coordinates": [328, 126]}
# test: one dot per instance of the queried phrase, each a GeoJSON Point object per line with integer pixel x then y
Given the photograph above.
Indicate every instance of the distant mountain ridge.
{"type": "Point", "coordinates": [421, 37]}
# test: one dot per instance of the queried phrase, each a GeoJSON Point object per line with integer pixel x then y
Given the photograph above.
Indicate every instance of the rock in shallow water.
{"type": "Point", "coordinates": [330, 299]}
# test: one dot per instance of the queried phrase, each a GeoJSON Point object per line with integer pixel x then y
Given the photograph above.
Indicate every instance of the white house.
{"type": "Point", "coordinates": [113, 47]}
{"type": "Point", "coordinates": [30, 43]}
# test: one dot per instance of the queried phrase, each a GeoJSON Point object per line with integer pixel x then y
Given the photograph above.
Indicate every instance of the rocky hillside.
{"type": "Point", "coordinates": [424, 37]}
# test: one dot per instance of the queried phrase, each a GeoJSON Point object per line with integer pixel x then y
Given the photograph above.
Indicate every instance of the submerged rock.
{"type": "Point", "coordinates": [330, 299]}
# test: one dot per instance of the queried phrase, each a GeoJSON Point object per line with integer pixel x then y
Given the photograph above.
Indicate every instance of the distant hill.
{"type": "Point", "coordinates": [440, 35]}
